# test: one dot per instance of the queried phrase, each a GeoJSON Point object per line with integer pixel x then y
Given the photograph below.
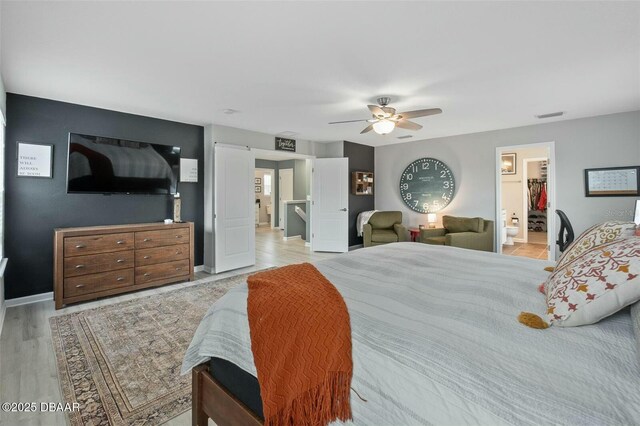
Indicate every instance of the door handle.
{"type": "Point", "coordinates": [343, 210]}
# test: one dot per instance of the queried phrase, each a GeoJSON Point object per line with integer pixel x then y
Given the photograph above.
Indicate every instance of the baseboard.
{"type": "Point", "coordinates": [307, 244]}
{"type": "Point", "coordinates": [263, 223]}
{"type": "Point", "coordinates": [293, 237]}
{"type": "Point", "coordinates": [355, 247]}
{"type": "Point", "coordinates": [198, 268]}
{"type": "Point", "coordinates": [519, 240]}
{"type": "Point", "coordinates": [35, 298]}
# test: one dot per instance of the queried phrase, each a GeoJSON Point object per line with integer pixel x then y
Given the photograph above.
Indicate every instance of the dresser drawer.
{"type": "Point", "coordinates": [93, 244]}
{"type": "Point", "coordinates": [165, 237]}
{"type": "Point", "coordinates": [162, 254]}
{"type": "Point", "coordinates": [94, 263]}
{"type": "Point", "coordinates": [94, 283]}
{"type": "Point", "coordinates": [145, 274]}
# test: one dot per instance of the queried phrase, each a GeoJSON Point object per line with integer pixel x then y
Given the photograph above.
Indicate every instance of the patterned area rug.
{"type": "Point", "coordinates": [122, 362]}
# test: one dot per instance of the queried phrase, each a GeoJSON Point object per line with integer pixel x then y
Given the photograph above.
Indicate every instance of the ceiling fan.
{"type": "Point", "coordinates": [385, 118]}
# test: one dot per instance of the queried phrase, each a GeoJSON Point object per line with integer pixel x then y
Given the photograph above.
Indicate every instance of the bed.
{"type": "Point", "coordinates": [436, 341]}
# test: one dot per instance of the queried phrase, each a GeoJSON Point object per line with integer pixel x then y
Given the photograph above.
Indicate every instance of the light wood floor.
{"type": "Point", "coordinates": [534, 251]}
{"type": "Point", "coordinates": [27, 362]}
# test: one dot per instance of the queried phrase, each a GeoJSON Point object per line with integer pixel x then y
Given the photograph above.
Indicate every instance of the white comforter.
{"type": "Point", "coordinates": [436, 341]}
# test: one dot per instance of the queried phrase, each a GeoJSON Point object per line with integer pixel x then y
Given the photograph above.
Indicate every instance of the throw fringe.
{"type": "Point", "coordinates": [325, 403]}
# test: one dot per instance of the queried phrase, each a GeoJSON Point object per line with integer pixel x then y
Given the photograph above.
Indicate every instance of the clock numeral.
{"type": "Point", "coordinates": [436, 204]}
{"type": "Point", "coordinates": [425, 206]}
{"type": "Point", "coordinates": [404, 186]}
{"type": "Point", "coordinates": [446, 184]}
{"type": "Point", "coordinates": [407, 196]}
{"type": "Point", "coordinates": [425, 166]}
{"type": "Point", "coordinates": [443, 173]}
{"type": "Point", "coordinates": [409, 176]}
{"type": "Point", "coordinates": [415, 203]}
{"type": "Point", "coordinates": [436, 166]}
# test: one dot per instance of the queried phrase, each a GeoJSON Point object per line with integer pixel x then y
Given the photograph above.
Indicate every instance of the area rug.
{"type": "Point", "coordinates": [122, 362]}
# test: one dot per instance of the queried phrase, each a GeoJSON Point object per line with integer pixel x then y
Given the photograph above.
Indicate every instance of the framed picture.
{"type": "Point", "coordinates": [509, 163]}
{"type": "Point", "coordinates": [257, 181]}
{"type": "Point", "coordinates": [612, 182]}
{"type": "Point", "coordinates": [258, 189]}
{"type": "Point", "coordinates": [34, 160]}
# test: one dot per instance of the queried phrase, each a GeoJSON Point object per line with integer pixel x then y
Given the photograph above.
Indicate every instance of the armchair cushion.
{"type": "Point", "coordinates": [463, 224]}
{"type": "Point", "coordinates": [438, 241]}
{"type": "Point", "coordinates": [384, 236]}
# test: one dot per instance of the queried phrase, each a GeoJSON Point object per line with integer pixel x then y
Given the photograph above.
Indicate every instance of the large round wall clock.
{"type": "Point", "coordinates": [427, 185]}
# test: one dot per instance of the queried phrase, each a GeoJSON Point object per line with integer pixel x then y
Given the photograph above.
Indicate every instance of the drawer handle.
{"type": "Point", "coordinates": [120, 242]}
{"type": "Point", "coordinates": [79, 266]}
{"type": "Point", "coordinates": [178, 252]}
{"type": "Point", "coordinates": [80, 246]}
{"type": "Point", "coordinates": [80, 286]}
{"type": "Point", "coordinates": [178, 236]}
{"type": "Point", "coordinates": [120, 261]}
{"type": "Point", "coordinates": [178, 269]}
{"type": "Point", "coordinates": [147, 274]}
{"type": "Point", "coordinates": [146, 240]}
{"type": "Point", "coordinates": [120, 279]}
{"type": "Point", "coordinates": [147, 257]}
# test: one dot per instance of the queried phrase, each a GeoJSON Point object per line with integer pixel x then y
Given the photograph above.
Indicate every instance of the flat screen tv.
{"type": "Point", "coordinates": [117, 166]}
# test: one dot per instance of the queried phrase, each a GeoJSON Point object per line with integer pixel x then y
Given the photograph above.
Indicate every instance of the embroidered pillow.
{"type": "Point", "coordinates": [595, 236]}
{"type": "Point", "coordinates": [595, 285]}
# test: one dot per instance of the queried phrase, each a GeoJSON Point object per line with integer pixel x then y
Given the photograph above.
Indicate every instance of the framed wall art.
{"type": "Point", "coordinates": [509, 163]}
{"type": "Point", "coordinates": [34, 160]}
{"type": "Point", "coordinates": [612, 182]}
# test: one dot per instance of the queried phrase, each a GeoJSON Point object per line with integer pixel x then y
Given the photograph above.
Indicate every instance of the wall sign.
{"type": "Point", "coordinates": [284, 144]}
{"type": "Point", "coordinates": [188, 170]}
{"type": "Point", "coordinates": [612, 182]}
{"type": "Point", "coordinates": [427, 185]}
{"type": "Point", "coordinates": [35, 160]}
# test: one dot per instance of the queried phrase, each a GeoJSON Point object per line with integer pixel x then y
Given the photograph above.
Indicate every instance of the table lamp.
{"type": "Point", "coordinates": [432, 218]}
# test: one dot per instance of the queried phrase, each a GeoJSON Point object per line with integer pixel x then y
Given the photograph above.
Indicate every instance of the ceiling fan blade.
{"type": "Point", "coordinates": [376, 110]}
{"type": "Point", "coordinates": [367, 129]}
{"type": "Point", "coordinates": [409, 125]}
{"type": "Point", "coordinates": [347, 121]}
{"type": "Point", "coordinates": [420, 113]}
{"type": "Point", "coordinates": [389, 111]}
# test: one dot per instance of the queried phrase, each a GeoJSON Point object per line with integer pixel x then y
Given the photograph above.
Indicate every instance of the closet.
{"type": "Point", "coordinates": [537, 197]}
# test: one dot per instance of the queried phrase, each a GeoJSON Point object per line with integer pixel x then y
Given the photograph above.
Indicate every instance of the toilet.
{"type": "Point", "coordinates": [508, 232]}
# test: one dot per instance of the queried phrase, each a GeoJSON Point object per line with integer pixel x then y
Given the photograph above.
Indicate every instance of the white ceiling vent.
{"type": "Point", "coordinates": [550, 115]}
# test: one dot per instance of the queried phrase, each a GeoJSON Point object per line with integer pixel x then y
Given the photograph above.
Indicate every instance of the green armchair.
{"type": "Point", "coordinates": [384, 228]}
{"type": "Point", "coordinates": [465, 232]}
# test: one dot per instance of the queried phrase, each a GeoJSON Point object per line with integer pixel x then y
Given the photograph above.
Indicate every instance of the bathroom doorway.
{"type": "Point", "coordinates": [525, 200]}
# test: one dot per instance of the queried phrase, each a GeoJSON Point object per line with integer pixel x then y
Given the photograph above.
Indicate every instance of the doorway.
{"type": "Point", "coordinates": [525, 200]}
{"type": "Point", "coordinates": [285, 191]}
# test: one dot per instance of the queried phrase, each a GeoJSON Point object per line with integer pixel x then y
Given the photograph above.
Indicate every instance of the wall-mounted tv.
{"type": "Point", "coordinates": [117, 166]}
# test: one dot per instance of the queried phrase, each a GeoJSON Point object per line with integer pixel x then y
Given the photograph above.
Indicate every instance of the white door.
{"type": "Point", "coordinates": [329, 206]}
{"type": "Point", "coordinates": [285, 193]}
{"type": "Point", "coordinates": [234, 208]}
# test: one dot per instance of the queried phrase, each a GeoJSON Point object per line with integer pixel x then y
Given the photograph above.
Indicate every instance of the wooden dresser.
{"type": "Point", "coordinates": [99, 261]}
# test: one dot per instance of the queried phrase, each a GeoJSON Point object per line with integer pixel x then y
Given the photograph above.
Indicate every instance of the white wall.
{"type": "Point", "coordinates": [605, 141]}
{"type": "Point", "coordinates": [513, 188]}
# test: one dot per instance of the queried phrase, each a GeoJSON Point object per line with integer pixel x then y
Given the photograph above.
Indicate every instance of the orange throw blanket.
{"type": "Point", "coordinates": [301, 344]}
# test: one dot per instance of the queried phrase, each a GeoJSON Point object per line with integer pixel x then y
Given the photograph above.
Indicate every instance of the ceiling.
{"type": "Point", "coordinates": [295, 66]}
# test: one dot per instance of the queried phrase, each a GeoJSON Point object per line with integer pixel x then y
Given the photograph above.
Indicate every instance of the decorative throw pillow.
{"type": "Point", "coordinates": [595, 236]}
{"type": "Point", "coordinates": [595, 285]}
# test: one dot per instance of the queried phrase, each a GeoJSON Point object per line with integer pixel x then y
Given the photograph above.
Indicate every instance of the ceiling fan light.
{"type": "Point", "coordinates": [383, 127]}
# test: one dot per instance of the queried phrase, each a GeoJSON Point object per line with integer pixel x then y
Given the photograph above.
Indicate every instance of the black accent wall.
{"type": "Point", "coordinates": [35, 206]}
{"type": "Point", "coordinates": [361, 159]}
